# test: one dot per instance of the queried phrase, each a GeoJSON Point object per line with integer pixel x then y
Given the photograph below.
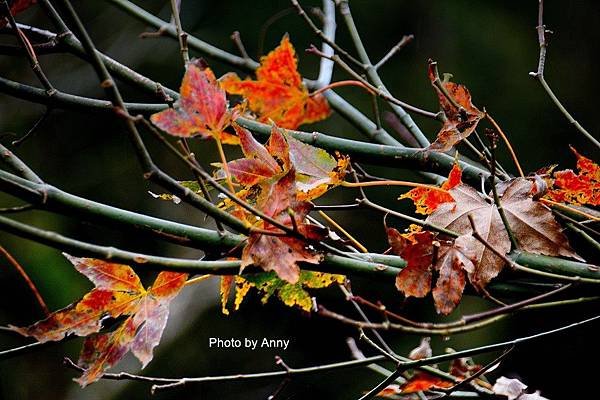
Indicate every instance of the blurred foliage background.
{"type": "Point", "coordinates": [489, 46]}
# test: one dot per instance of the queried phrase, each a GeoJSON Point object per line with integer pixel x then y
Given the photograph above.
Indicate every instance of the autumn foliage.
{"type": "Point", "coordinates": [272, 208]}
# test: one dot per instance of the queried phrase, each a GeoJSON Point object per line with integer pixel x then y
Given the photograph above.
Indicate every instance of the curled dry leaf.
{"type": "Point", "coordinates": [423, 350]}
{"type": "Point", "coordinates": [269, 284]}
{"type": "Point", "coordinates": [579, 188]}
{"type": "Point", "coordinates": [118, 292]}
{"type": "Point", "coordinates": [452, 262]}
{"type": "Point", "coordinates": [460, 121]}
{"type": "Point", "coordinates": [201, 110]}
{"type": "Point", "coordinates": [427, 200]}
{"type": "Point", "coordinates": [417, 250]}
{"type": "Point", "coordinates": [278, 93]}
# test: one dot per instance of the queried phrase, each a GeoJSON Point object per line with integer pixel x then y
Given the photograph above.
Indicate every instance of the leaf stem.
{"type": "Point", "coordinates": [332, 222]}
{"type": "Point", "coordinates": [27, 279]}
{"type": "Point", "coordinates": [507, 142]}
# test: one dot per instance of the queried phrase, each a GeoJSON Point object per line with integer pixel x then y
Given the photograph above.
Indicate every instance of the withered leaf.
{"type": "Point", "coordinates": [460, 121]}
{"type": "Point", "coordinates": [532, 224]}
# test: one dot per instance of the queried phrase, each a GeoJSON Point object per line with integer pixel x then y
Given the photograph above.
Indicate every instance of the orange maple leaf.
{"type": "Point", "coordinates": [118, 292]}
{"type": "Point", "coordinates": [278, 93]}
{"type": "Point", "coordinates": [578, 188]}
{"type": "Point", "coordinates": [427, 200]}
{"type": "Point", "coordinates": [201, 110]}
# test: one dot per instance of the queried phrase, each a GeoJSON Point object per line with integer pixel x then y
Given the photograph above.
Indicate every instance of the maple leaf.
{"type": "Point", "coordinates": [118, 292]}
{"type": "Point", "coordinates": [417, 250]}
{"type": "Point", "coordinates": [451, 260]}
{"type": "Point", "coordinates": [578, 188]}
{"type": "Point", "coordinates": [282, 253]}
{"type": "Point", "coordinates": [278, 93]}
{"type": "Point", "coordinates": [268, 284]}
{"type": "Point", "coordinates": [422, 381]}
{"type": "Point", "coordinates": [261, 163]}
{"type": "Point", "coordinates": [427, 200]}
{"type": "Point", "coordinates": [316, 170]}
{"type": "Point", "coordinates": [201, 110]}
{"type": "Point", "coordinates": [460, 121]}
{"type": "Point", "coordinates": [533, 226]}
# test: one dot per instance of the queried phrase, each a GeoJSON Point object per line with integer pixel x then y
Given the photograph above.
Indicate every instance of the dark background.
{"type": "Point", "coordinates": [489, 46]}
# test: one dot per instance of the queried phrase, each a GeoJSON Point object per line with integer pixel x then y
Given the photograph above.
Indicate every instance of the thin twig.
{"type": "Point", "coordinates": [467, 353]}
{"type": "Point", "coordinates": [511, 235]}
{"type": "Point", "coordinates": [183, 47]}
{"type": "Point", "coordinates": [406, 39]}
{"type": "Point", "coordinates": [29, 50]}
{"type": "Point", "coordinates": [380, 92]}
{"type": "Point", "coordinates": [33, 129]}
{"type": "Point", "coordinates": [507, 142]}
{"type": "Point", "coordinates": [324, 37]}
{"type": "Point", "coordinates": [237, 39]}
{"type": "Point", "coordinates": [393, 183]}
{"type": "Point", "coordinates": [539, 75]}
{"type": "Point", "coordinates": [350, 237]}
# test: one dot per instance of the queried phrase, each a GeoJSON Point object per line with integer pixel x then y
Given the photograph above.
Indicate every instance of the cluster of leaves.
{"type": "Point", "coordinates": [139, 315]}
{"type": "Point", "coordinates": [278, 178]}
{"type": "Point", "coordinates": [532, 224]}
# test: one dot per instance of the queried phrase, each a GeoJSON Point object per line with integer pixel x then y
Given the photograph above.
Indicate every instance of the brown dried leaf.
{"type": "Point", "coordinates": [451, 265]}
{"type": "Point", "coordinates": [417, 250]}
{"type": "Point", "coordinates": [535, 228]}
{"type": "Point", "coordinates": [454, 216]}
{"type": "Point", "coordinates": [460, 121]}
{"type": "Point", "coordinates": [533, 225]}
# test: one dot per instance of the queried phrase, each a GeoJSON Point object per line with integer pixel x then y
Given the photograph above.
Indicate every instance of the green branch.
{"type": "Point", "coordinates": [330, 263]}
{"type": "Point", "coordinates": [52, 199]}
{"type": "Point", "coordinates": [391, 156]}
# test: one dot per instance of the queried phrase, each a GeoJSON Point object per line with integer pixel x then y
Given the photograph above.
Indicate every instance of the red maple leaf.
{"type": "Point", "coordinates": [578, 188]}
{"type": "Point", "coordinates": [118, 292]}
{"type": "Point", "coordinates": [201, 110]}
